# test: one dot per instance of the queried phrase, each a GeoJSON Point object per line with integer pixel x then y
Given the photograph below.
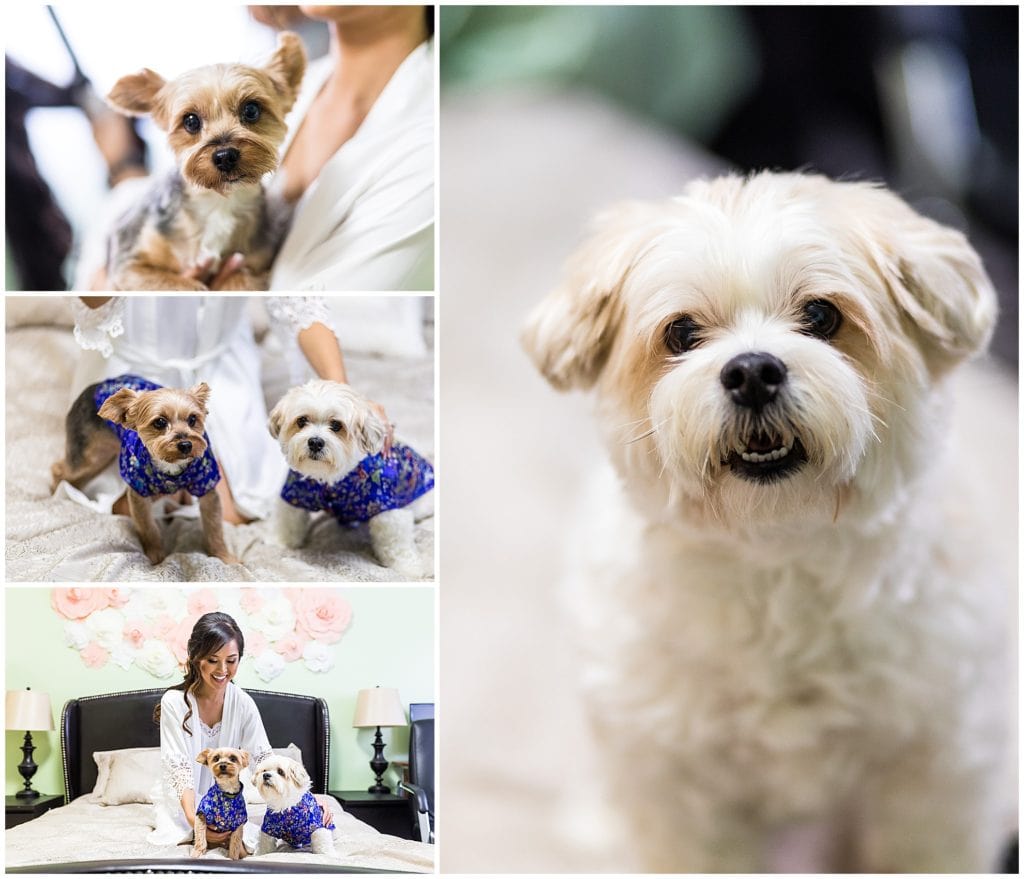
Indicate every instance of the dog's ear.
{"type": "Point", "coordinates": [204, 756]}
{"type": "Point", "coordinates": [202, 394]}
{"type": "Point", "coordinates": [299, 776]}
{"type": "Point", "coordinates": [275, 421]}
{"type": "Point", "coordinates": [371, 432]}
{"type": "Point", "coordinates": [933, 275]}
{"type": "Point", "coordinates": [243, 756]}
{"type": "Point", "coordinates": [286, 67]}
{"type": "Point", "coordinates": [570, 334]}
{"type": "Point", "coordinates": [136, 94]}
{"type": "Point", "coordinates": [116, 407]}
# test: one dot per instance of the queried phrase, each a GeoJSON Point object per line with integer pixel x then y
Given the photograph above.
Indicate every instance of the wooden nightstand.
{"type": "Point", "coordinates": [388, 813]}
{"type": "Point", "coordinates": [20, 811]}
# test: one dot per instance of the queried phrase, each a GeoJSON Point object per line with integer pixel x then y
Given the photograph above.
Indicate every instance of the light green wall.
{"type": "Point", "coordinates": [390, 643]}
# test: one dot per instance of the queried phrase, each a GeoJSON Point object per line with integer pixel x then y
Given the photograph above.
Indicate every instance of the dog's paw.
{"type": "Point", "coordinates": [155, 555]}
{"type": "Point", "coordinates": [228, 558]}
{"type": "Point", "coordinates": [197, 852]}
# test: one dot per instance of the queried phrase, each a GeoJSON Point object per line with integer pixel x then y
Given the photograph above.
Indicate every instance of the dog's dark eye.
{"type": "Point", "coordinates": [821, 319]}
{"type": "Point", "coordinates": [233, 758]}
{"type": "Point", "coordinates": [250, 111]}
{"type": "Point", "coordinates": [192, 420]}
{"type": "Point", "coordinates": [301, 421]}
{"type": "Point", "coordinates": [681, 335]}
{"type": "Point", "coordinates": [280, 772]}
{"type": "Point", "coordinates": [160, 423]}
{"type": "Point", "coordinates": [191, 123]}
{"type": "Point", "coordinates": [335, 426]}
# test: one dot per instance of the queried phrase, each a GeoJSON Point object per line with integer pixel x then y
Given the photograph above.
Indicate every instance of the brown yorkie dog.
{"type": "Point", "coordinates": [158, 434]}
{"type": "Point", "coordinates": [225, 123]}
{"type": "Point", "coordinates": [222, 808]}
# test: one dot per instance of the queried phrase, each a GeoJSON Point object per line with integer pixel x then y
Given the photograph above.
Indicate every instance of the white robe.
{"type": "Point", "coordinates": [367, 222]}
{"type": "Point", "coordinates": [240, 727]}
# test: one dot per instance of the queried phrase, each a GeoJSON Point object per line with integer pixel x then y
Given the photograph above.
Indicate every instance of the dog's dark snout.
{"type": "Point", "coordinates": [225, 159]}
{"type": "Point", "coordinates": [753, 379]}
{"type": "Point", "coordinates": [315, 443]}
{"type": "Point", "coordinates": [185, 446]}
{"type": "Point", "coordinates": [267, 776]}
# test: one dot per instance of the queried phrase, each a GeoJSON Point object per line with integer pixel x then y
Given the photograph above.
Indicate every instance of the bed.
{"type": "Point", "coordinates": [389, 358]}
{"type": "Point", "coordinates": [86, 836]}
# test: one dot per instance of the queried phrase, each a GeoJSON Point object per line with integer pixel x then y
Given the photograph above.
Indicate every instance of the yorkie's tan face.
{"type": "Point", "coordinates": [224, 763]}
{"type": "Point", "coordinates": [169, 421]}
{"type": "Point", "coordinates": [225, 122]}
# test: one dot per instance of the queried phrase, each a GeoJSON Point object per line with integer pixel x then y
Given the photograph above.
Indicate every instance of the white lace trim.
{"type": "Point", "coordinates": [258, 758]}
{"type": "Point", "coordinates": [178, 774]}
{"type": "Point", "coordinates": [211, 732]}
{"type": "Point", "coordinates": [300, 312]}
{"type": "Point", "coordinates": [95, 327]}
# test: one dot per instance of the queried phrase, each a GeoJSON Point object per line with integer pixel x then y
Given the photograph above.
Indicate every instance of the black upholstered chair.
{"type": "Point", "coordinates": [420, 785]}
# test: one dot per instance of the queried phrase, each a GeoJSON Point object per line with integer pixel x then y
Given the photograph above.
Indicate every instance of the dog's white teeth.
{"type": "Point", "coordinates": [757, 458]}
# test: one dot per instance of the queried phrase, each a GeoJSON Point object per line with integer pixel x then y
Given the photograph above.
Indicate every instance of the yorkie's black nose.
{"type": "Point", "coordinates": [225, 159]}
{"type": "Point", "coordinates": [315, 443]}
{"type": "Point", "coordinates": [185, 446]}
{"type": "Point", "coordinates": [753, 379]}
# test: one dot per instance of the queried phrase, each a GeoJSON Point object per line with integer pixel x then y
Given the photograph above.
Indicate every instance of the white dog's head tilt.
{"type": "Point", "coordinates": [282, 782]}
{"type": "Point", "coordinates": [325, 429]}
{"type": "Point", "coordinates": [766, 349]}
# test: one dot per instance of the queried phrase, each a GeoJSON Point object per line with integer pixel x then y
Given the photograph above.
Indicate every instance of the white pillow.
{"type": "Point", "coordinates": [252, 795]}
{"type": "Point", "coordinates": [126, 775]}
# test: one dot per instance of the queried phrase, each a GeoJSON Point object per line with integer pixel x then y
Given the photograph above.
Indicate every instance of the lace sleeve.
{"type": "Point", "coordinates": [178, 774]}
{"type": "Point", "coordinates": [95, 327]}
{"type": "Point", "coordinates": [258, 758]}
{"type": "Point", "coordinates": [297, 313]}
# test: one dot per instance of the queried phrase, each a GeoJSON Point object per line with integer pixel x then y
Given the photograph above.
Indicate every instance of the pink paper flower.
{"type": "Point", "coordinates": [203, 601]}
{"type": "Point", "coordinates": [136, 632]}
{"type": "Point", "coordinates": [163, 626]}
{"type": "Point", "coordinates": [116, 597]}
{"type": "Point", "coordinates": [94, 656]}
{"type": "Point", "coordinates": [255, 643]}
{"type": "Point", "coordinates": [292, 646]}
{"type": "Point", "coordinates": [321, 614]}
{"type": "Point", "coordinates": [251, 601]}
{"type": "Point", "coordinates": [177, 638]}
{"type": "Point", "coordinates": [77, 603]}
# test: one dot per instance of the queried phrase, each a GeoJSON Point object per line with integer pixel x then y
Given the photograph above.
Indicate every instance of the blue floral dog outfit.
{"type": "Point", "coordinates": [296, 825]}
{"type": "Point", "coordinates": [375, 485]}
{"type": "Point", "coordinates": [223, 811]}
{"type": "Point", "coordinates": [136, 464]}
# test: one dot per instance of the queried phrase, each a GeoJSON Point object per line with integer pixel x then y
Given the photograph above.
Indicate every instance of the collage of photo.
{"type": "Point", "coordinates": [505, 439]}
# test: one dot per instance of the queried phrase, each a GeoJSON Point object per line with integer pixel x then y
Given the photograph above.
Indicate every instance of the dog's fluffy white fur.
{"type": "Point", "coordinates": [817, 643]}
{"type": "Point", "coordinates": [282, 782]}
{"type": "Point", "coordinates": [322, 403]}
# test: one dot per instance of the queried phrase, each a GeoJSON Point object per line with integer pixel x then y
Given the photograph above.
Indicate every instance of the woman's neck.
{"type": "Point", "coordinates": [367, 53]}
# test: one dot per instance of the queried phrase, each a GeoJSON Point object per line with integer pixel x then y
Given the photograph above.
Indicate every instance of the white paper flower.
{"type": "Point", "coordinates": [275, 619]}
{"type": "Point", "coordinates": [76, 635]}
{"type": "Point", "coordinates": [107, 627]}
{"type": "Point", "coordinates": [163, 603]}
{"type": "Point", "coordinates": [155, 658]}
{"type": "Point", "coordinates": [268, 665]}
{"type": "Point", "coordinates": [318, 657]}
{"type": "Point", "coordinates": [122, 655]}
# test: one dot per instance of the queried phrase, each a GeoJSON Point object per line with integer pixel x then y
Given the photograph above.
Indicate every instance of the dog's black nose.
{"type": "Point", "coordinates": [225, 159]}
{"type": "Point", "coordinates": [315, 443]}
{"type": "Point", "coordinates": [185, 446]}
{"type": "Point", "coordinates": [267, 776]}
{"type": "Point", "coordinates": [753, 379]}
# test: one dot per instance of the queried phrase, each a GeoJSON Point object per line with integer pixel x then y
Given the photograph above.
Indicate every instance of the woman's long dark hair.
{"type": "Point", "coordinates": [211, 632]}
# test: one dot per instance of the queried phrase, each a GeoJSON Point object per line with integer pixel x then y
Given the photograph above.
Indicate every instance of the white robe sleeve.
{"type": "Point", "coordinates": [253, 735]}
{"type": "Point", "coordinates": [175, 750]}
{"type": "Point", "coordinates": [95, 327]}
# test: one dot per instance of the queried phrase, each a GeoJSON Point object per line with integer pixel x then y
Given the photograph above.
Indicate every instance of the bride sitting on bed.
{"type": "Point", "coordinates": [205, 711]}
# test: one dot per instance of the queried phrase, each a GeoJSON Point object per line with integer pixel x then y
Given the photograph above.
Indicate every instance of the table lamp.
{"type": "Point", "coordinates": [376, 708]}
{"type": "Point", "coordinates": [28, 710]}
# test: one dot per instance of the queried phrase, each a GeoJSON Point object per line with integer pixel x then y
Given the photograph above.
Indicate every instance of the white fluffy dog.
{"type": "Point", "coordinates": [293, 815]}
{"type": "Point", "coordinates": [788, 610]}
{"type": "Point", "coordinates": [332, 440]}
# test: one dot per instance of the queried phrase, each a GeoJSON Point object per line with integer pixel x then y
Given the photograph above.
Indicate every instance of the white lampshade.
{"type": "Point", "coordinates": [379, 707]}
{"type": "Point", "coordinates": [28, 710]}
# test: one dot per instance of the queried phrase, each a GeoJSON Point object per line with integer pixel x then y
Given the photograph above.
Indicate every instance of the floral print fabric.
{"type": "Point", "coordinates": [296, 825]}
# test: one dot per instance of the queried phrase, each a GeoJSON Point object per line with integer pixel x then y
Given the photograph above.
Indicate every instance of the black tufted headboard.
{"type": "Point", "coordinates": [125, 720]}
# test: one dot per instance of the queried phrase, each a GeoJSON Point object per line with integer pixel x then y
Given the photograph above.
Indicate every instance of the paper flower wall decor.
{"type": "Point", "coordinates": [150, 628]}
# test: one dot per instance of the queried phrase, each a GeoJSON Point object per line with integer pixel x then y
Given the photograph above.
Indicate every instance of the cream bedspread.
{"type": "Point", "coordinates": [85, 830]}
{"type": "Point", "coordinates": [50, 538]}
